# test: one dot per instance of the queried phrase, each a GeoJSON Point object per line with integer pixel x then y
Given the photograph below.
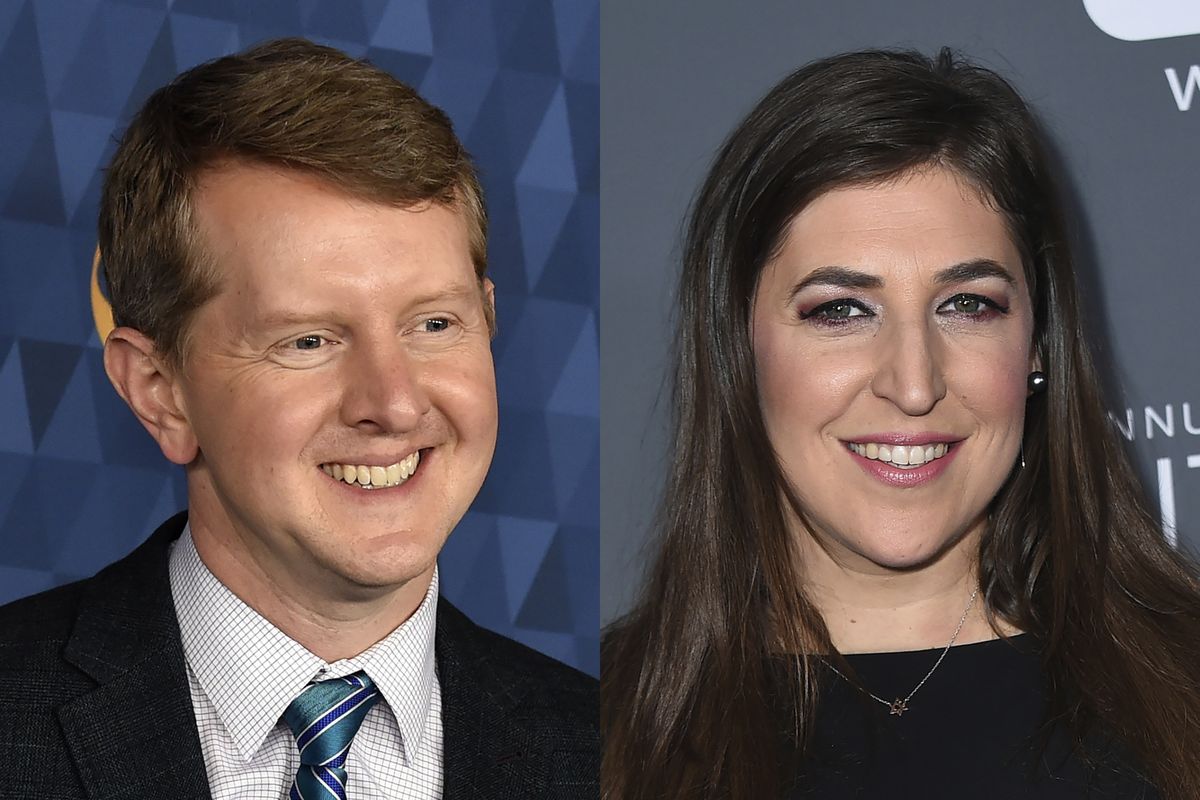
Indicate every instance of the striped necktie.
{"type": "Point", "coordinates": [324, 719]}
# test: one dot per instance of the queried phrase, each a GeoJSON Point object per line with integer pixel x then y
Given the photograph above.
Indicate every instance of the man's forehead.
{"type": "Point", "coordinates": [232, 189]}
{"type": "Point", "coordinates": [247, 211]}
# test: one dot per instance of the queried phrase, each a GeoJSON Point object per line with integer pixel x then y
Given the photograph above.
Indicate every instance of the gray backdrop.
{"type": "Point", "coordinates": [677, 75]}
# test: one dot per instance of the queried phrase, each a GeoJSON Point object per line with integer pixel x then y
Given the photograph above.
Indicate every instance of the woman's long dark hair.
{"type": "Point", "coordinates": [1072, 555]}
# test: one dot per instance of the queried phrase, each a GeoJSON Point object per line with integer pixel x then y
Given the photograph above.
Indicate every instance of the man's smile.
{"type": "Point", "coordinates": [374, 476]}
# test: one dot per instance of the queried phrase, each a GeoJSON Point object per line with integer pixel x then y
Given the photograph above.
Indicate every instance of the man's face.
{"type": "Point", "coordinates": [347, 344]}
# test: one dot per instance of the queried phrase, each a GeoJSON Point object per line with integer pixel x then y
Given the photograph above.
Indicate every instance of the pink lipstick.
{"type": "Point", "coordinates": [865, 452]}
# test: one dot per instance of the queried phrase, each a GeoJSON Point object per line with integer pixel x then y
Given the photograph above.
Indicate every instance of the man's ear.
{"type": "Point", "coordinates": [150, 388]}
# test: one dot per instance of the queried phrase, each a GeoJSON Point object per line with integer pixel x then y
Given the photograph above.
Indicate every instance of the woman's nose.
{"type": "Point", "coordinates": [909, 370]}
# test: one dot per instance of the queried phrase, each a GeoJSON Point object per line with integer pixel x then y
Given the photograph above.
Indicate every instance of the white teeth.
{"type": "Point", "coordinates": [409, 465]}
{"type": "Point", "coordinates": [901, 455]}
{"type": "Point", "coordinates": [373, 477]}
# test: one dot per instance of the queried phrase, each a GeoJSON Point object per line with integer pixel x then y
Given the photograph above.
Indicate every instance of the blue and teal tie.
{"type": "Point", "coordinates": [324, 719]}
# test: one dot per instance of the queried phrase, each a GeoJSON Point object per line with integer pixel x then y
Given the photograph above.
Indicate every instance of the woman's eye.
{"type": "Point", "coordinates": [972, 305]}
{"type": "Point", "coordinates": [841, 310]}
{"type": "Point", "coordinates": [836, 311]}
{"type": "Point", "coordinates": [967, 305]}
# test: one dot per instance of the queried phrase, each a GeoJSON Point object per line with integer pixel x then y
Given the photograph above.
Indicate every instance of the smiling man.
{"type": "Point", "coordinates": [294, 244]}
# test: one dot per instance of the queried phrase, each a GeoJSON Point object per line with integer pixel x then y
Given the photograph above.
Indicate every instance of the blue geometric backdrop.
{"type": "Point", "coordinates": [81, 483]}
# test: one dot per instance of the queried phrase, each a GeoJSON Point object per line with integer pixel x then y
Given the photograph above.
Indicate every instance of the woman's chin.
{"type": "Point", "coordinates": [902, 552]}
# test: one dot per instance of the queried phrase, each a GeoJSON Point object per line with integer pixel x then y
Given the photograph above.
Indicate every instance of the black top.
{"type": "Point", "coordinates": [972, 731]}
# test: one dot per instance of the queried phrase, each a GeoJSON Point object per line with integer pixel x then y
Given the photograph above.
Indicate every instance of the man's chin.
{"type": "Point", "coordinates": [385, 558]}
{"type": "Point", "coordinates": [373, 581]}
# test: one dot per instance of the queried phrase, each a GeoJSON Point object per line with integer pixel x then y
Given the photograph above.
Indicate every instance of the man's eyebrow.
{"type": "Point", "coordinates": [847, 278]}
{"type": "Point", "coordinates": [286, 318]}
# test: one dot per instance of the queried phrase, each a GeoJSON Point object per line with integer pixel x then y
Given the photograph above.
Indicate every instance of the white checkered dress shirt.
{"type": "Point", "coordinates": [243, 672]}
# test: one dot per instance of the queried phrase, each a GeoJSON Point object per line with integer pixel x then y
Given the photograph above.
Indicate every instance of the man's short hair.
{"type": "Point", "coordinates": [289, 103]}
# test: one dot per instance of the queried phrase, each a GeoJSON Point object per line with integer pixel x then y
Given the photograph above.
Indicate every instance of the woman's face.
{"type": "Point", "coordinates": [892, 342]}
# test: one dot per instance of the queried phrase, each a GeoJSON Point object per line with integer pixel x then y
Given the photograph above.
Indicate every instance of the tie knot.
{"type": "Point", "coordinates": [327, 714]}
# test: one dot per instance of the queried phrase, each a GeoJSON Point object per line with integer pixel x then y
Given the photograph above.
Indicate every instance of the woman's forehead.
{"type": "Point", "coordinates": [925, 221]}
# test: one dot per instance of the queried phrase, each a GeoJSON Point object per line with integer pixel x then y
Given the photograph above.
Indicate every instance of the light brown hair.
{"type": "Point", "coordinates": [289, 103]}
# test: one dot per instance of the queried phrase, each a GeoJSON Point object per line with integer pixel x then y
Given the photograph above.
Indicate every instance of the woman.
{"type": "Point", "coordinates": [902, 549]}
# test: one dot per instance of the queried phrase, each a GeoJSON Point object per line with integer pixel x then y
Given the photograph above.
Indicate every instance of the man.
{"type": "Point", "coordinates": [294, 245]}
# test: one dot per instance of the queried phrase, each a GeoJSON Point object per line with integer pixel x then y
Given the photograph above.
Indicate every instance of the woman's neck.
{"type": "Point", "coordinates": [870, 608]}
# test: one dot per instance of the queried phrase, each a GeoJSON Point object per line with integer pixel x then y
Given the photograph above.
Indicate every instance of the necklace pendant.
{"type": "Point", "coordinates": [898, 707]}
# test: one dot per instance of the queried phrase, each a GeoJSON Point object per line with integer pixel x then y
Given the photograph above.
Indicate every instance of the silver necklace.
{"type": "Point", "coordinates": [898, 706]}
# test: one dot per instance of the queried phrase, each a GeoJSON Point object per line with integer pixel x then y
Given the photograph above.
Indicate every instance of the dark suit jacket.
{"type": "Point", "coordinates": [94, 699]}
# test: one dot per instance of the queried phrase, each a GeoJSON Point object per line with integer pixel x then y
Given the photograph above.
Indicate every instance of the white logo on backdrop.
{"type": "Point", "coordinates": [1160, 423]}
{"type": "Point", "coordinates": [1185, 89]}
{"type": "Point", "coordinates": [1139, 20]}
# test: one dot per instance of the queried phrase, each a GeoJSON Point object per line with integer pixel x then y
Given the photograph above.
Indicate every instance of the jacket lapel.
{"type": "Point", "coordinates": [139, 717]}
{"type": "Point", "coordinates": [489, 752]}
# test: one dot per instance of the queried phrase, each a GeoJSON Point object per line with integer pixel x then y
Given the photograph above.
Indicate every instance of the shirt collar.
{"type": "Point", "coordinates": [251, 671]}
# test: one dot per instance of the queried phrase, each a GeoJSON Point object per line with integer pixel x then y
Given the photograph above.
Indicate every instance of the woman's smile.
{"type": "Point", "coordinates": [903, 465]}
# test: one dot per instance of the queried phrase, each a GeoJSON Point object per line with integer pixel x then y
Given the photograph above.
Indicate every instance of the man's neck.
{"type": "Point", "coordinates": [332, 621]}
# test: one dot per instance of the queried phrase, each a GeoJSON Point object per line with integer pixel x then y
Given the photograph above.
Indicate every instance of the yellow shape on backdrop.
{"type": "Point", "coordinates": [101, 310]}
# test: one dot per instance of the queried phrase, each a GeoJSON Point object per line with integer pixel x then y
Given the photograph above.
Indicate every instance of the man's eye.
{"type": "Point", "coordinates": [435, 325]}
{"type": "Point", "coordinates": [311, 342]}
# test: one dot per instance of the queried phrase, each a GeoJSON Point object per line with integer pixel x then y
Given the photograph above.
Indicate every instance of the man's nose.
{"type": "Point", "coordinates": [909, 368]}
{"type": "Point", "coordinates": [385, 390]}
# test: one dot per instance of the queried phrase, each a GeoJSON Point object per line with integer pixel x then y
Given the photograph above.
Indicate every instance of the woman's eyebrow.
{"type": "Point", "coordinates": [841, 277]}
{"type": "Point", "coordinates": [847, 278]}
{"type": "Point", "coordinates": [974, 270]}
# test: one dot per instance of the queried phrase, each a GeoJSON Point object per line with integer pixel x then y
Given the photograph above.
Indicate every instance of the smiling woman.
{"type": "Point", "coordinates": [900, 544]}
{"type": "Point", "coordinates": [919, 340]}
